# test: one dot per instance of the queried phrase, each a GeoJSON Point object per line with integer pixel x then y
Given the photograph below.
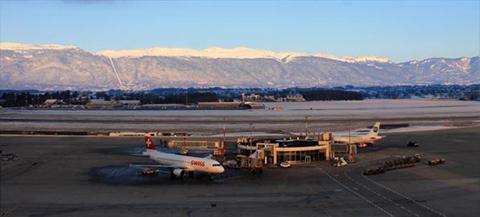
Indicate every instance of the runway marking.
{"type": "Point", "coordinates": [357, 194]}
{"type": "Point", "coordinates": [311, 189]}
{"type": "Point", "coordinates": [381, 196]}
{"type": "Point", "coordinates": [395, 192]}
{"type": "Point", "coordinates": [6, 213]}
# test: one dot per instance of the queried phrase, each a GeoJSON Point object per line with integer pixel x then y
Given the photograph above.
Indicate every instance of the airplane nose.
{"type": "Point", "coordinates": [221, 170]}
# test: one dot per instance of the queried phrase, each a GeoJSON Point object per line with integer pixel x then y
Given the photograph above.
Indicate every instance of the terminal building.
{"type": "Point", "coordinates": [295, 151]}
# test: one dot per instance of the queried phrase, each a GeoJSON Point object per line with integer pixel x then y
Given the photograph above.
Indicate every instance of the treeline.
{"type": "Point", "coordinates": [168, 96]}
{"type": "Point", "coordinates": [460, 92]}
{"type": "Point", "coordinates": [24, 98]}
{"type": "Point", "coordinates": [186, 98]}
{"type": "Point", "coordinates": [328, 94]}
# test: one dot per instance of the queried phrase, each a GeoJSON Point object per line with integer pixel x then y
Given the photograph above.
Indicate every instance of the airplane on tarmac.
{"type": "Point", "coordinates": [360, 140]}
{"type": "Point", "coordinates": [179, 164]}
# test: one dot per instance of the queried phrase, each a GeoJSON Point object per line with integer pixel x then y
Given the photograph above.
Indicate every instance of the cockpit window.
{"type": "Point", "coordinates": [216, 165]}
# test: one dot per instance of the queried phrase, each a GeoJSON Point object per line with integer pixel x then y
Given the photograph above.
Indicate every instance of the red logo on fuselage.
{"type": "Point", "coordinates": [149, 143]}
{"type": "Point", "coordinates": [197, 163]}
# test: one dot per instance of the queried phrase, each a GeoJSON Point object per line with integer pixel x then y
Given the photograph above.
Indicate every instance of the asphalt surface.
{"type": "Point", "coordinates": [89, 176]}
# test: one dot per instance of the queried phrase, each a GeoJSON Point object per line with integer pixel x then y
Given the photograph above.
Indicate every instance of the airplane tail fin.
{"type": "Point", "coordinates": [375, 129]}
{"type": "Point", "coordinates": [149, 143]}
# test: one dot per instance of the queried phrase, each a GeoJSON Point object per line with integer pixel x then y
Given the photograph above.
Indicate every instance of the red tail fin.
{"type": "Point", "coordinates": [149, 143]}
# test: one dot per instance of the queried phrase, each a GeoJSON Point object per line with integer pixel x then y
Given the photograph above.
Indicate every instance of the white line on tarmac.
{"type": "Point", "coordinates": [358, 195]}
{"type": "Point", "coordinates": [382, 196]}
{"type": "Point", "coordinates": [424, 206]}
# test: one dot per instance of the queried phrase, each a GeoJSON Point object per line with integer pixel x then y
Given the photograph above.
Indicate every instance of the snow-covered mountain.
{"type": "Point", "coordinates": [24, 66]}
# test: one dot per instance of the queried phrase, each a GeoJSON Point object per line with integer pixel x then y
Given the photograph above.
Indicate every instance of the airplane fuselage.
{"type": "Point", "coordinates": [357, 139]}
{"type": "Point", "coordinates": [186, 163]}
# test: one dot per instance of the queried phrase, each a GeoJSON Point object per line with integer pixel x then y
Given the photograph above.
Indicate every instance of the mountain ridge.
{"type": "Point", "coordinates": [69, 67]}
{"type": "Point", "coordinates": [211, 52]}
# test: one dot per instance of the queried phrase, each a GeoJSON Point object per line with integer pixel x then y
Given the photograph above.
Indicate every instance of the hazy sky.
{"type": "Point", "coordinates": [401, 30]}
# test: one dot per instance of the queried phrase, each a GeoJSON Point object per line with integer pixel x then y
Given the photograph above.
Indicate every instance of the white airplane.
{"type": "Point", "coordinates": [179, 164]}
{"type": "Point", "coordinates": [360, 140]}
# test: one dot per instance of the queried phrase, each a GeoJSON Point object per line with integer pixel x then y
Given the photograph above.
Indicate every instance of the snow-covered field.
{"type": "Point", "coordinates": [290, 117]}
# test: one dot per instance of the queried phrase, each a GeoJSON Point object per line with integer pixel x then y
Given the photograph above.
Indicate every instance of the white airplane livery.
{"type": "Point", "coordinates": [179, 164]}
{"type": "Point", "coordinates": [361, 140]}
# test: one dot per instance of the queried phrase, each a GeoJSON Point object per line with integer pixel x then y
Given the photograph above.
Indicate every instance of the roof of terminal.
{"type": "Point", "coordinates": [287, 143]}
{"type": "Point", "coordinates": [296, 143]}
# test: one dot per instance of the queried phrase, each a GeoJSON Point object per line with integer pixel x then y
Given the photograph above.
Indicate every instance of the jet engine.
{"type": "Point", "coordinates": [178, 172]}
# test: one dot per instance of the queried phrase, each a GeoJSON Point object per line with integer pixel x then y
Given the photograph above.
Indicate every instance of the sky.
{"type": "Point", "coordinates": [400, 30]}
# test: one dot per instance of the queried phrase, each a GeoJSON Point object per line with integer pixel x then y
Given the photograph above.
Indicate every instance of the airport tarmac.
{"type": "Point", "coordinates": [89, 176]}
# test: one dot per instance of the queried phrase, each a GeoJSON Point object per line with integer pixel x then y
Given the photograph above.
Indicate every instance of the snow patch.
{"type": "Point", "coordinates": [237, 53]}
{"type": "Point", "coordinates": [212, 52]}
{"type": "Point", "coordinates": [22, 47]}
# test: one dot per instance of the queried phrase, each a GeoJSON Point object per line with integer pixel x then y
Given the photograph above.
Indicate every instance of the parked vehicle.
{"type": "Point", "coordinates": [376, 171]}
{"type": "Point", "coordinates": [412, 144]}
{"type": "Point", "coordinates": [230, 164]}
{"type": "Point", "coordinates": [150, 171]}
{"type": "Point", "coordinates": [8, 157]}
{"type": "Point", "coordinates": [285, 164]}
{"type": "Point", "coordinates": [340, 162]}
{"type": "Point", "coordinates": [436, 161]}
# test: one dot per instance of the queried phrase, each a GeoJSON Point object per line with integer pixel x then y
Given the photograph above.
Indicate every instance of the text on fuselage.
{"type": "Point", "coordinates": [197, 163]}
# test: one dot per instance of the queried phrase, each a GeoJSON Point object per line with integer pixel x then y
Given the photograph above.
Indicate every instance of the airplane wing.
{"type": "Point", "coordinates": [139, 155]}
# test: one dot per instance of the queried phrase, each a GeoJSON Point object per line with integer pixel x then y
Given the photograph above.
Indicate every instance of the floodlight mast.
{"type": "Point", "coordinates": [307, 131]}
{"type": "Point", "coordinates": [350, 146]}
